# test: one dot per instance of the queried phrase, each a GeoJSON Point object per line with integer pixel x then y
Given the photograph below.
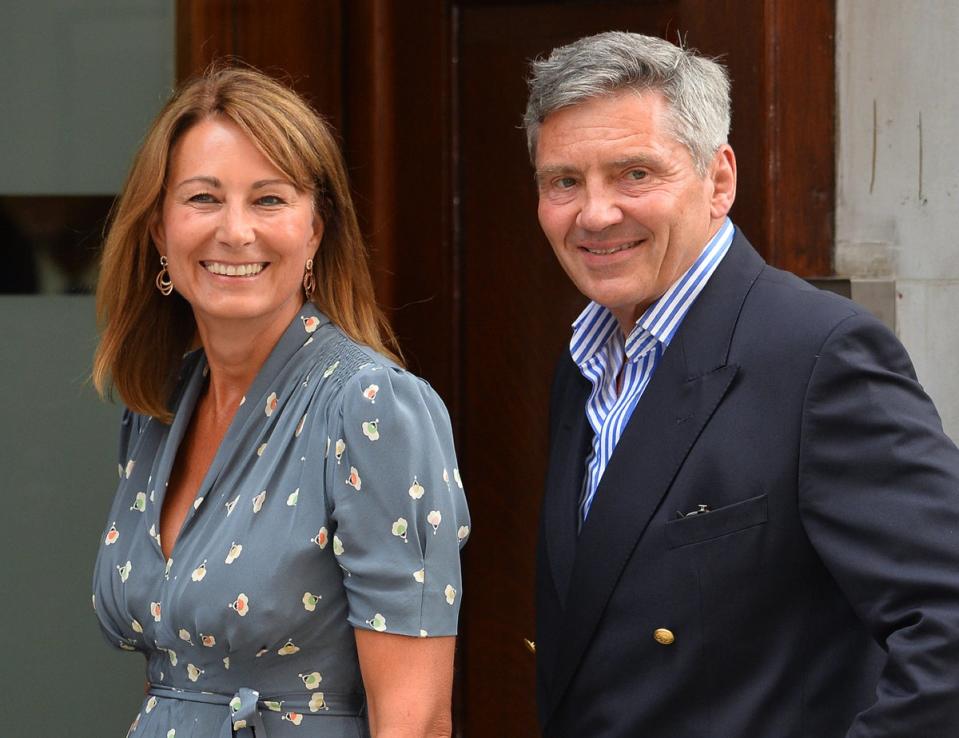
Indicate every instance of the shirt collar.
{"type": "Point", "coordinates": [595, 326]}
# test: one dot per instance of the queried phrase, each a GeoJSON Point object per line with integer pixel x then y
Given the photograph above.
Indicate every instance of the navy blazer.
{"type": "Point", "coordinates": [819, 596]}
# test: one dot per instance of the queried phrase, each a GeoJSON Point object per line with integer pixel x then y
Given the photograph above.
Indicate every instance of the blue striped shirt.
{"type": "Point", "coordinates": [599, 350]}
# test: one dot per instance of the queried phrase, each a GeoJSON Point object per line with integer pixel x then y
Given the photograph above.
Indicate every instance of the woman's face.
{"type": "Point", "coordinates": [236, 231]}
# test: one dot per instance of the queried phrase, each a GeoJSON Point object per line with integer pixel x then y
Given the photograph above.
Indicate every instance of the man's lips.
{"type": "Point", "coordinates": [605, 249]}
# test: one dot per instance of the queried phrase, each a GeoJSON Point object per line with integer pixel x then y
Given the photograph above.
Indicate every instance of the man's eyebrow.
{"type": "Point", "coordinates": [552, 170]}
{"type": "Point", "coordinates": [640, 160]}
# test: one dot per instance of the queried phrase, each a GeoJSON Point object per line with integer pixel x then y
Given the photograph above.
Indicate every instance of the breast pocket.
{"type": "Point", "coordinates": [719, 522]}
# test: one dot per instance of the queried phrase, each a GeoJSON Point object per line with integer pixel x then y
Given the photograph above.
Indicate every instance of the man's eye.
{"type": "Point", "coordinates": [564, 183]}
{"type": "Point", "coordinates": [636, 174]}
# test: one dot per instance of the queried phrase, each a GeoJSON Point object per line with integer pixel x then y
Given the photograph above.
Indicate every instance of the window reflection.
{"type": "Point", "coordinates": [51, 244]}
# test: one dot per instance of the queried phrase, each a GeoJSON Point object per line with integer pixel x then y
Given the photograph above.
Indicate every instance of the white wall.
{"type": "Point", "coordinates": [897, 211]}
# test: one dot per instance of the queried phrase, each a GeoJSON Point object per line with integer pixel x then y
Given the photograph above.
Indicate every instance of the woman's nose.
{"type": "Point", "coordinates": [236, 226]}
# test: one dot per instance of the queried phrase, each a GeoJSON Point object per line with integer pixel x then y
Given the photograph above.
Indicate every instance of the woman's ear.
{"type": "Point", "coordinates": [318, 229]}
{"type": "Point", "coordinates": [157, 233]}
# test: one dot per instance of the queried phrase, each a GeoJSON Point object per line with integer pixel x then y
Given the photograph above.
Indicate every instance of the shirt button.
{"type": "Point", "coordinates": [663, 636]}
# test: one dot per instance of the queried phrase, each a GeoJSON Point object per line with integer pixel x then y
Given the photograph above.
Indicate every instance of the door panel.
{"type": "Point", "coordinates": [429, 105]}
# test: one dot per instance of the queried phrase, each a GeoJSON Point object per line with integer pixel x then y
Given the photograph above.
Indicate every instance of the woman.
{"type": "Point", "coordinates": [284, 542]}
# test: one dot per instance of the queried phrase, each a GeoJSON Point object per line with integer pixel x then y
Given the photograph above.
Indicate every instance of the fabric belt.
{"type": "Point", "coordinates": [245, 705]}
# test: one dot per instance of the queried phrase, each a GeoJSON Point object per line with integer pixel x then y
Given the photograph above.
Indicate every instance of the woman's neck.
{"type": "Point", "coordinates": [235, 352]}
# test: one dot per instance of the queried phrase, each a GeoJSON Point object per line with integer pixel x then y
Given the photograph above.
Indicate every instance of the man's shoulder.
{"type": "Point", "coordinates": [780, 299]}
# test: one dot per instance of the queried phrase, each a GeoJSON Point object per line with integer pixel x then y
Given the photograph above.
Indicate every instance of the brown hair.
{"type": "Point", "coordinates": [144, 334]}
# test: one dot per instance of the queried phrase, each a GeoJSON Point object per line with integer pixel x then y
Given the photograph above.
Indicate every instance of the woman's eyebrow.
{"type": "Point", "coordinates": [269, 182]}
{"type": "Point", "coordinates": [212, 181]}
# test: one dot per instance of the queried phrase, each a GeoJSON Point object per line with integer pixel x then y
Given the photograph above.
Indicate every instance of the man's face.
{"type": "Point", "coordinates": [620, 200]}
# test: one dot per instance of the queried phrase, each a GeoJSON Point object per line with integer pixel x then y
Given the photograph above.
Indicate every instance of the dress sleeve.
{"type": "Point", "coordinates": [397, 505]}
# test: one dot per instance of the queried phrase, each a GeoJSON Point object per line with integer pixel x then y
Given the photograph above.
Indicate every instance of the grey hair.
{"type": "Point", "coordinates": [696, 88]}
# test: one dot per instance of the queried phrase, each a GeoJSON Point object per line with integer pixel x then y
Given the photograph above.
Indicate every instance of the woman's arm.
{"type": "Point", "coordinates": [409, 684]}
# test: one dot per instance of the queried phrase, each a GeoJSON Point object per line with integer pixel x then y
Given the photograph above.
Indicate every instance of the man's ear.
{"type": "Point", "coordinates": [722, 172]}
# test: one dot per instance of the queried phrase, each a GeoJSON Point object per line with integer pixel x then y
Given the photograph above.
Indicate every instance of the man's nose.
{"type": "Point", "coordinates": [236, 225]}
{"type": "Point", "coordinates": [600, 209]}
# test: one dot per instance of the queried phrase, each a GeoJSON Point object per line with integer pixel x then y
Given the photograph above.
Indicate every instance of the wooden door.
{"type": "Point", "coordinates": [428, 97]}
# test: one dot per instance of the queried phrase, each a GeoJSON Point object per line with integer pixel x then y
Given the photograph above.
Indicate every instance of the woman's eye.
{"type": "Point", "coordinates": [270, 200]}
{"type": "Point", "coordinates": [202, 197]}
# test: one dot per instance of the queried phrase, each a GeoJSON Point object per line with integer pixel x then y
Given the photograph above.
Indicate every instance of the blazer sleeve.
{"type": "Point", "coordinates": [879, 499]}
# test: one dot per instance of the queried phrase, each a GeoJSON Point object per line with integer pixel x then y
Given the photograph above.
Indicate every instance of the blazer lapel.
{"type": "Point", "coordinates": [689, 384]}
{"type": "Point", "coordinates": [564, 478]}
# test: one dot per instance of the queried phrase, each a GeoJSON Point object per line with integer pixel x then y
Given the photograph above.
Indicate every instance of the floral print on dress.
{"type": "Point", "coordinates": [241, 605]}
{"type": "Point", "coordinates": [320, 539]}
{"type": "Point", "coordinates": [371, 429]}
{"type": "Point", "coordinates": [234, 553]}
{"type": "Point", "coordinates": [311, 680]}
{"type": "Point", "coordinates": [318, 702]}
{"type": "Point", "coordinates": [399, 529]}
{"type": "Point", "coordinates": [124, 571]}
{"type": "Point", "coordinates": [258, 502]}
{"type": "Point", "coordinates": [369, 475]}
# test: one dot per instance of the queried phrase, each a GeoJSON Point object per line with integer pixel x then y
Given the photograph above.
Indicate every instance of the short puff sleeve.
{"type": "Point", "coordinates": [397, 505]}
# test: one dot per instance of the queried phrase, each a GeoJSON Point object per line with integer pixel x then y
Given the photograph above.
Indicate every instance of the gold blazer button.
{"type": "Point", "coordinates": [663, 636]}
{"type": "Point", "coordinates": [530, 646]}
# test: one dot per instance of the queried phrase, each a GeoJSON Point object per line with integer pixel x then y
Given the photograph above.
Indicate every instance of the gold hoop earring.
{"type": "Point", "coordinates": [163, 281]}
{"type": "Point", "coordinates": [309, 281]}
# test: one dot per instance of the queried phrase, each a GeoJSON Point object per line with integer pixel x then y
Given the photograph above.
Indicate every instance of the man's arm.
{"type": "Point", "coordinates": [879, 499]}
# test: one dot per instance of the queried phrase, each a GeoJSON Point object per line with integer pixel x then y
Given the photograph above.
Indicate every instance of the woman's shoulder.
{"type": "Point", "coordinates": [363, 376]}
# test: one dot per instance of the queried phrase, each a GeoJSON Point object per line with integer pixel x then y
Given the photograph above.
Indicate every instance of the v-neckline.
{"type": "Point", "coordinates": [289, 343]}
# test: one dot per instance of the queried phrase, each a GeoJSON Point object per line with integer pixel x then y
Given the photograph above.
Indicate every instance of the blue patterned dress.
{"type": "Point", "coordinates": [334, 502]}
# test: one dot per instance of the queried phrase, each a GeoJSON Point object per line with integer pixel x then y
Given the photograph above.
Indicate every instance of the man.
{"type": "Point", "coordinates": [751, 520]}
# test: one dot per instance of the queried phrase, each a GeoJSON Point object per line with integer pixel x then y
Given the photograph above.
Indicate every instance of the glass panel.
{"type": "Point", "coordinates": [86, 78]}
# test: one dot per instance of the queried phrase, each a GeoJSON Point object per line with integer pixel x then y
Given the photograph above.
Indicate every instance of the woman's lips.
{"type": "Point", "coordinates": [223, 269]}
